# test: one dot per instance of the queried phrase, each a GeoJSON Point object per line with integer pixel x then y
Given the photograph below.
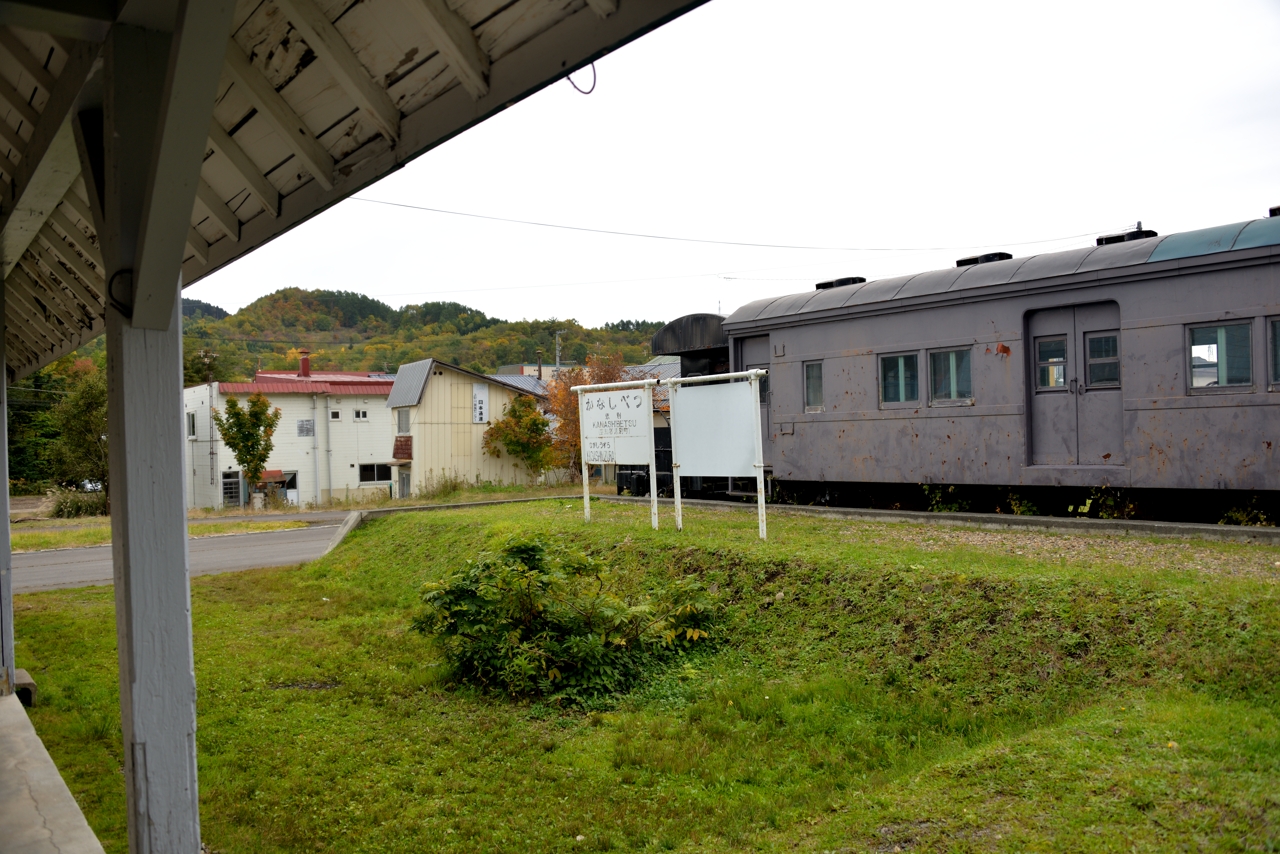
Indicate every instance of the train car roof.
{"type": "Point", "coordinates": [1074, 266]}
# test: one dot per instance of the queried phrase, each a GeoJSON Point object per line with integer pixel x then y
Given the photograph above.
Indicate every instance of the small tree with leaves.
{"type": "Point", "coordinates": [247, 431]}
{"type": "Point", "coordinates": [524, 433]}
{"type": "Point", "coordinates": [79, 451]}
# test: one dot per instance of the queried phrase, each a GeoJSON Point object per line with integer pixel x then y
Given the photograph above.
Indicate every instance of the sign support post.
{"type": "Point", "coordinates": [718, 436]}
{"type": "Point", "coordinates": [582, 454]}
{"type": "Point", "coordinates": [612, 438]}
{"type": "Point", "coordinates": [755, 393]}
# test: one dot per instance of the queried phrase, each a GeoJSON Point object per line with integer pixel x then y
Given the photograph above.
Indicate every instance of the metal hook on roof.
{"type": "Point", "coordinates": [593, 81]}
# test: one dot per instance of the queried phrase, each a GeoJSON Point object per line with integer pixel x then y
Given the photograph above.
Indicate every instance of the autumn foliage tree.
{"type": "Point", "coordinates": [248, 432]}
{"type": "Point", "coordinates": [566, 439]}
{"type": "Point", "coordinates": [524, 433]}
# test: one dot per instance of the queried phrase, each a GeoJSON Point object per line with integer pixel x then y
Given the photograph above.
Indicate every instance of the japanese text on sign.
{"type": "Point", "coordinates": [617, 426]}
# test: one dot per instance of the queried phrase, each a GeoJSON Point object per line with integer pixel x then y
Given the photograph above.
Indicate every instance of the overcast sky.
{"type": "Point", "coordinates": [913, 133]}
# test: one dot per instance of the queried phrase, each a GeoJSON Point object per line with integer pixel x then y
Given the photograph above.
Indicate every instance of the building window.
{"type": "Point", "coordinates": [191, 425]}
{"type": "Point", "coordinates": [1220, 356]}
{"type": "Point", "coordinates": [812, 386]}
{"type": "Point", "coordinates": [360, 415]}
{"type": "Point", "coordinates": [899, 378]}
{"type": "Point", "coordinates": [335, 414]}
{"type": "Point", "coordinates": [402, 421]}
{"type": "Point", "coordinates": [306, 427]}
{"type": "Point", "coordinates": [1102, 352]}
{"type": "Point", "coordinates": [1051, 363]}
{"type": "Point", "coordinates": [949, 374]}
{"type": "Point", "coordinates": [375, 473]}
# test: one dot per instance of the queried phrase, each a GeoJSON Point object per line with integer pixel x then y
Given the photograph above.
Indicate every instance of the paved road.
{"type": "Point", "coordinates": [48, 570]}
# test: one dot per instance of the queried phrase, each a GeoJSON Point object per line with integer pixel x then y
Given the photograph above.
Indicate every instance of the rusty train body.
{"type": "Point", "coordinates": [1145, 362]}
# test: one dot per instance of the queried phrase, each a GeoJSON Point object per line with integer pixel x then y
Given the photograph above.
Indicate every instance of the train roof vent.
{"type": "Point", "coordinates": [983, 259]}
{"type": "Point", "coordinates": [1138, 233]}
{"type": "Point", "coordinates": [839, 283]}
{"type": "Point", "coordinates": [1274, 211]}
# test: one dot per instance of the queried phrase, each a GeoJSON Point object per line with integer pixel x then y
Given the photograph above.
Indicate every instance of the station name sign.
{"type": "Point", "coordinates": [617, 426]}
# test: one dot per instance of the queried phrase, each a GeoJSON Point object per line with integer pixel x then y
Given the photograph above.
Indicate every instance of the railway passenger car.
{"type": "Point", "coordinates": [1144, 361]}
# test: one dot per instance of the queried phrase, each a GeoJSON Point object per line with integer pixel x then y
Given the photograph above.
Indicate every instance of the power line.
{"type": "Point", "coordinates": [722, 242]}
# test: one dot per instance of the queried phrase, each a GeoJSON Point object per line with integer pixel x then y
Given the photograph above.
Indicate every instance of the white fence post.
{"type": "Point", "coordinates": [755, 393]}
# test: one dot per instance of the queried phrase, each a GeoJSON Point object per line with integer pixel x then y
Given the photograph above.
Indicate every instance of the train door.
{"type": "Point", "coordinates": [755, 354]}
{"type": "Point", "coordinates": [1076, 406]}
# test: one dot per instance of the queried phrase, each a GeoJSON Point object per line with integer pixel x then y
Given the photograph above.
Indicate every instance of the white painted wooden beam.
{"type": "Point", "coordinates": [8, 167]}
{"type": "Point", "coordinates": [292, 130]}
{"type": "Point", "coordinates": [28, 317]}
{"type": "Point", "coordinates": [72, 259]}
{"type": "Point", "coordinates": [90, 300]}
{"type": "Point", "coordinates": [207, 198]}
{"type": "Point", "coordinates": [49, 162]}
{"type": "Point", "coordinates": [198, 245]}
{"type": "Point", "coordinates": [80, 208]}
{"type": "Point", "coordinates": [8, 664]}
{"type": "Point", "coordinates": [10, 137]}
{"type": "Point", "coordinates": [17, 103]}
{"type": "Point", "coordinates": [77, 236]}
{"type": "Point", "coordinates": [453, 37]}
{"type": "Point", "coordinates": [51, 296]}
{"type": "Point", "coordinates": [337, 56]}
{"type": "Point", "coordinates": [603, 8]}
{"type": "Point", "coordinates": [15, 327]}
{"type": "Point", "coordinates": [262, 189]}
{"type": "Point", "coordinates": [13, 46]}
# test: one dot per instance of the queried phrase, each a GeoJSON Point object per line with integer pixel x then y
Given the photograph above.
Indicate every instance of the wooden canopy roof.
{"type": "Point", "coordinates": [317, 99]}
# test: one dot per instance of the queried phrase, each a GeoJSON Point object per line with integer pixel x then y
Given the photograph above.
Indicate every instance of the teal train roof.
{"type": "Point", "coordinates": [1253, 234]}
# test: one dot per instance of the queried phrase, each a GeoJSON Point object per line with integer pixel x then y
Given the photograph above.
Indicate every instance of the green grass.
{"type": "Point", "coordinates": [874, 686]}
{"type": "Point", "coordinates": [97, 535]}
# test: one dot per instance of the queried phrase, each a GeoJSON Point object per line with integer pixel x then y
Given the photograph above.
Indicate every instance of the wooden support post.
{"type": "Point", "coordinates": [7, 663]}
{"type": "Point", "coordinates": [158, 97]}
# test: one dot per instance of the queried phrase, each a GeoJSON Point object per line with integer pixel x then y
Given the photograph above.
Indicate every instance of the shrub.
{"type": "Point", "coordinates": [69, 503]}
{"type": "Point", "coordinates": [535, 620]}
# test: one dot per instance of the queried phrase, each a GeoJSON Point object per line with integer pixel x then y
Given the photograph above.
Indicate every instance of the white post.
{"type": "Point", "coordinates": [582, 454]}
{"type": "Point", "coordinates": [653, 464]}
{"type": "Point", "coordinates": [675, 465]}
{"type": "Point", "coordinates": [755, 395]}
{"type": "Point", "coordinates": [8, 665]}
{"type": "Point", "coordinates": [158, 94]}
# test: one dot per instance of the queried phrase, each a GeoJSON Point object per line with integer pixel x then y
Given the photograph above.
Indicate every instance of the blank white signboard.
{"type": "Point", "coordinates": [713, 430]}
{"type": "Point", "coordinates": [617, 426]}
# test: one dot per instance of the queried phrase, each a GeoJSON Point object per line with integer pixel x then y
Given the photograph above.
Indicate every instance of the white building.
{"type": "Point", "coordinates": [332, 443]}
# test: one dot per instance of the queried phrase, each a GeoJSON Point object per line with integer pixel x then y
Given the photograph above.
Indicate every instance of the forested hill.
{"type": "Point", "coordinates": [348, 331]}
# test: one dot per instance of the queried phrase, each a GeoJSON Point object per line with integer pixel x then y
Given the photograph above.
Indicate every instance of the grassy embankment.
{"type": "Point", "coordinates": [35, 536]}
{"type": "Point", "coordinates": [875, 687]}
{"type": "Point", "coordinates": [449, 492]}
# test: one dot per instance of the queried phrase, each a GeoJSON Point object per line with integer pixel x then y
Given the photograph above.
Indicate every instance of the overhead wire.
{"type": "Point", "coordinates": [749, 244]}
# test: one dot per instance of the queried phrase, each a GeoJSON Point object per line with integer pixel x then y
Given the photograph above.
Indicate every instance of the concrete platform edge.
{"type": "Point", "coordinates": [37, 810]}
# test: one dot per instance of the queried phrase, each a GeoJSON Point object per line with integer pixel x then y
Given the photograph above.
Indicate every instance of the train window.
{"type": "Point", "coordinates": [1220, 356]}
{"type": "Point", "coordinates": [812, 386]}
{"type": "Point", "coordinates": [949, 376]}
{"type": "Point", "coordinates": [1102, 351]}
{"type": "Point", "coordinates": [1275, 352]}
{"type": "Point", "coordinates": [1051, 362]}
{"type": "Point", "coordinates": [899, 378]}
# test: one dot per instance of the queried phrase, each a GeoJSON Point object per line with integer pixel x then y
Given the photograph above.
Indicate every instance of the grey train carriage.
{"type": "Point", "coordinates": [1144, 362]}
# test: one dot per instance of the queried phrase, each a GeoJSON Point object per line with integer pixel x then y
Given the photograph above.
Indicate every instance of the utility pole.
{"type": "Point", "coordinates": [558, 334]}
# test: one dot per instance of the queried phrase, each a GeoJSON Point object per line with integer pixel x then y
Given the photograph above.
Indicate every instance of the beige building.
{"type": "Point", "coordinates": [441, 413]}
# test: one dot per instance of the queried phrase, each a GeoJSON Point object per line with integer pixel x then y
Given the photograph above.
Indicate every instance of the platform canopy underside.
{"type": "Point", "coordinates": [317, 99]}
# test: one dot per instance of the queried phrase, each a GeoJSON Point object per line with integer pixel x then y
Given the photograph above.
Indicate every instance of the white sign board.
{"type": "Point", "coordinates": [713, 429]}
{"type": "Point", "coordinates": [479, 403]}
{"type": "Point", "coordinates": [617, 426]}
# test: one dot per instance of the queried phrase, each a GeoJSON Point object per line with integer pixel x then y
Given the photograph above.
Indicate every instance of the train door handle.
{"type": "Point", "coordinates": [1073, 385]}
